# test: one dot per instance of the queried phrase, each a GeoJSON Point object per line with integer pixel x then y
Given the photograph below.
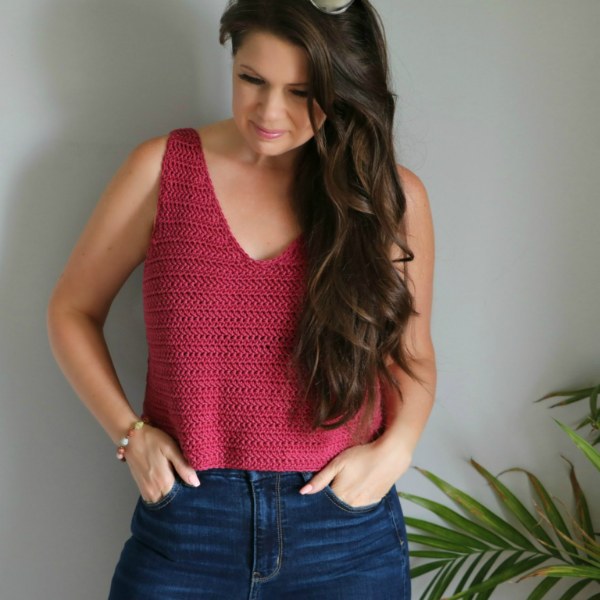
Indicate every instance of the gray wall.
{"type": "Point", "coordinates": [498, 114]}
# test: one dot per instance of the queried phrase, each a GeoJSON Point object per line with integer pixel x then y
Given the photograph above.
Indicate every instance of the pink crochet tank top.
{"type": "Point", "coordinates": [219, 328]}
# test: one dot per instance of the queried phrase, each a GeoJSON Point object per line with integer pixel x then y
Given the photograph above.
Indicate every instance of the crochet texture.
{"type": "Point", "coordinates": [220, 327]}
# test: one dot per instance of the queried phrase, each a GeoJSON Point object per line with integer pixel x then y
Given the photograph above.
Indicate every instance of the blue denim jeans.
{"type": "Point", "coordinates": [250, 535]}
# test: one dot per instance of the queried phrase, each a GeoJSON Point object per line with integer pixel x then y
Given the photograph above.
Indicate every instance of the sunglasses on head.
{"type": "Point", "coordinates": [332, 7]}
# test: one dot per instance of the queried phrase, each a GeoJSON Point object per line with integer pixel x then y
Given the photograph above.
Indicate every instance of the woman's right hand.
{"type": "Point", "coordinates": [152, 456]}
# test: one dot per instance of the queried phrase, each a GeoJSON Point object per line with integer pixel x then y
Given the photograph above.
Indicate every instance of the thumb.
{"type": "Point", "coordinates": [319, 480]}
{"type": "Point", "coordinates": [184, 470]}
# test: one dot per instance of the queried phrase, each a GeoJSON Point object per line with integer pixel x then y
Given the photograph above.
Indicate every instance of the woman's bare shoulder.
{"type": "Point", "coordinates": [418, 218]}
{"type": "Point", "coordinates": [413, 187]}
{"type": "Point", "coordinates": [147, 155]}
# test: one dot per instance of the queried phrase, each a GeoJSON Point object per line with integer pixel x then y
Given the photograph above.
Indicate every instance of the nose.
{"type": "Point", "coordinates": [271, 106]}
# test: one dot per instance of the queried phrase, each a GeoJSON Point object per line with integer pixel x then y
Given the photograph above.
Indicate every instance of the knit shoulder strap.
{"type": "Point", "coordinates": [180, 176]}
{"type": "Point", "coordinates": [181, 160]}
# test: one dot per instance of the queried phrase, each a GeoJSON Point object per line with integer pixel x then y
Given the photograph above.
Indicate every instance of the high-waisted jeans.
{"type": "Point", "coordinates": [250, 535]}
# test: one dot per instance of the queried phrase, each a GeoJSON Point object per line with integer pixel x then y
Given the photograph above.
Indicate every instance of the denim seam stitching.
{"type": "Point", "coordinates": [347, 507]}
{"type": "Point", "coordinates": [390, 511]}
{"type": "Point", "coordinates": [279, 537]}
{"type": "Point", "coordinates": [164, 501]}
{"type": "Point", "coordinates": [254, 536]}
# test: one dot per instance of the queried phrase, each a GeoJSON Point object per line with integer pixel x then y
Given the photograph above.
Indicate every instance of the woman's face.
{"type": "Point", "coordinates": [270, 83]}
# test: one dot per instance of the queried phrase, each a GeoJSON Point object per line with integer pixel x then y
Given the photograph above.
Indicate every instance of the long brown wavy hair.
{"type": "Point", "coordinates": [351, 204]}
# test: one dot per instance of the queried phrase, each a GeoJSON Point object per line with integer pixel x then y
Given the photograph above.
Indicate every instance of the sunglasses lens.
{"type": "Point", "coordinates": [333, 7]}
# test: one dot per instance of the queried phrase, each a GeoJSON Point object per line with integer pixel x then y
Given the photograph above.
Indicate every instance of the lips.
{"type": "Point", "coordinates": [268, 134]}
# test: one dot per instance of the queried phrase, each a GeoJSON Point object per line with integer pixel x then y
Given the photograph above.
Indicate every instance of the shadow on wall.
{"type": "Point", "coordinates": [109, 75]}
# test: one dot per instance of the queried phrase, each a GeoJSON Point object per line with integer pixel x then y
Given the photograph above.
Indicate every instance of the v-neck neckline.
{"type": "Point", "coordinates": [213, 195]}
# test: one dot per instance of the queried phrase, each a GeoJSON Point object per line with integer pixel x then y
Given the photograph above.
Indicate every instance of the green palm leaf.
{"type": "Point", "coordinates": [468, 572]}
{"type": "Point", "coordinates": [589, 451]}
{"type": "Point", "coordinates": [432, 583]}
{"type": "Point", "coordinates": [575, 589]}
{"type": "Point", "coordinates": [550, 510]}
{"type": "Point", "coordinates": [591, 553]}
{"type": "Point", "coordinates": [507, 562]}
{"type": "Point", "coordinates": [445, 534]}
{"type": "Point", "coordinates": [484, 570]}
{"type": "Point", "coordinates": [583, 423]}
{"type": "Point", "coordinates": [544, 586]}
{"type": "Point", "coordinates": [584, 519]}
{"type": "Point", "coordinates": [470, 546]}
{"type": "Point", "coordinates": [427, 568]}
{"type": "Point", "coordinates": [434, 554]}
{"type": "Point", "coordinates": [574, 396]}
{"type": "Point", "coordinates": [594, 403]}
{"type": "Point", "coordinates": [516, 507]}
{"type": "Point", "coordinates": [456, 519]}
{"type": "Point", "coordinates": [480, 512]}
{"type": "Point", "coordinates": [579, 571]}
{"type": "Point", "coordinates": [434, 542]}
{"type": "Point", "coordinates": [506, 574]}
{"type": "Point", "coordinates": [446, 578]}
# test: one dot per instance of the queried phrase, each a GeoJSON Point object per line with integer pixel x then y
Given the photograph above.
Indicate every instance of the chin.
{"type": "Point", "coordinates": [270, 147]}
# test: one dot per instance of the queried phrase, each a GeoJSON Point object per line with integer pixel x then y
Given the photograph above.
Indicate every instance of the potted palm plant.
{"type": "Point", "coordinates": [476, 550]}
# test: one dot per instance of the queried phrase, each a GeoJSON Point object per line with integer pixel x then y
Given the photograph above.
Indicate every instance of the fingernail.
{"type": "Point", "coordinates": [307, 488]}
{"type": "Point", "coordinates": [193, 479]}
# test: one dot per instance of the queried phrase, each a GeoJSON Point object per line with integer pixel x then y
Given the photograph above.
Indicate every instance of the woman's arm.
{"type": "Point", "coordinates": [112, 244]}
{"type": "Point", "coordinates": [406, 421]}
{"type": "Point", "coordinates": [364, 473]}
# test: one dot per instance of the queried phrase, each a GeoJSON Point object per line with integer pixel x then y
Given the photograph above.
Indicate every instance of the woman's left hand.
{"type": "Point", "coordinates": [363, 474]}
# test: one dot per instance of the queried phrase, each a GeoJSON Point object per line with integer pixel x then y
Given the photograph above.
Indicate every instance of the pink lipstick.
{"type": "Point", "coordinates": [268, 134]}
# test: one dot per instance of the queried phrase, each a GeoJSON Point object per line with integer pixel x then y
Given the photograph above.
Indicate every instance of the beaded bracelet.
{"type": "Point", "coordinates": [124, 442]}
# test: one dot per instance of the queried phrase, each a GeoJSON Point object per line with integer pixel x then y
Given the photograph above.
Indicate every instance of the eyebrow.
{"type": "Point", "coordinates": [257, 73]}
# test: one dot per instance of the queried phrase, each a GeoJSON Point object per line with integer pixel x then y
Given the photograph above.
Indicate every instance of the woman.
{"type": "Point", "coordinates": [288, 267]}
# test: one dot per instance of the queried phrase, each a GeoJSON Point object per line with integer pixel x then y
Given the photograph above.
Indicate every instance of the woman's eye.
{"type": "Point", "coordinates": [250, 79]}
{"type": "Point", "coordinates": [257, 81]}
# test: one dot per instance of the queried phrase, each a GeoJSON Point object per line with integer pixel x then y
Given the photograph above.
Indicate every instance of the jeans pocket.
{"type": "Point", "coordinates": [167, 498]}
{"type": "Point", "coordinates": [335, 499]}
